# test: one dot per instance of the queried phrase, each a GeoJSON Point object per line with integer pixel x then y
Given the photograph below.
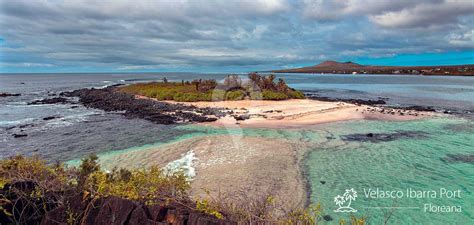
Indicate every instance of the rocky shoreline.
{"type": "Point", "coordinates": [110, 100]}
{"type": "Point", "coordinates": [370, 102]}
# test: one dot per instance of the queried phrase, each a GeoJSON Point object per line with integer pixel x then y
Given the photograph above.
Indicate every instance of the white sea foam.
{"type": "Point", "coordinates": [185, 164]}
{"type": "Point", "coordinates": [67, 120]}
{"type": "Point", "coordinates": [15, 122]}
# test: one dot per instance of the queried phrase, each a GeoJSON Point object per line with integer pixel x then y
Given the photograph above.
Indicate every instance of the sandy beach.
{"type": "Point", "coordinates": [300, 112]}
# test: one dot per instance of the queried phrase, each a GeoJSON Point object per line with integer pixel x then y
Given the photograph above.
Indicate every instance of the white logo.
{"type": "Point", "coordinates": [344, 201]}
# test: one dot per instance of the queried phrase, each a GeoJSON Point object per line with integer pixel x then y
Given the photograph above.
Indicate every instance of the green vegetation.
{"type": "Point", "coordinates": [232, 88]}
{"type": "Point", "coordinates": [52, 183]}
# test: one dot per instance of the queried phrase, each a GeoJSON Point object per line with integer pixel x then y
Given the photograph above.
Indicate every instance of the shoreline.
{"type": "Point", "coordinates": [296, 113]}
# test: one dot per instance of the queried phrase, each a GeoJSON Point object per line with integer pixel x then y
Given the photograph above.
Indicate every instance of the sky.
{"type": "Point", "coordinates": [230, 35]}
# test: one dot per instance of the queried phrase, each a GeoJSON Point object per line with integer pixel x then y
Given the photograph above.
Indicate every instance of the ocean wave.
{"type": "Point", "coordinates": [9, 123]}
{"type": "Point", "coordinates": [185, 164]}
{"type": "Point", "coordinates": [68, 120]}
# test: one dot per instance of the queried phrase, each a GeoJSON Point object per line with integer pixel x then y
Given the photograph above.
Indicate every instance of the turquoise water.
{"type": "Point", "coordinates": [407, 163]}
{"type": "Point", "coordinates": [415, 162]}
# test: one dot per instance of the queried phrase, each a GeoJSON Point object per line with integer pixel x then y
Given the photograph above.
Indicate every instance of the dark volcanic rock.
{"type": "Point", "coordinates": [420, 108]}
{"type": "Point", "coordinates": [465, 158]}
{"type": "Point", "coordinates": [19, 135]}
{"type": "Point", "coordinates": [57, 208]}
{"type": "Point", "coordinates": [51, 117]}
{"type": "Point", "coordinates": [110, 99]}
{"type": "Point", "coordinates": [8, 94]}
{"type": "Point", "coordinates": [115, 211]}
{"type": "Point", "coordinates": [383, 137]}
{"type": "Point", "coordinates": [55, 100]}
{"type": "Point", "coordinates": [353, 101]}
{"type": "Point", "coordinates": [327, 218]}
{"type": "Point", "coordinates": [16, 198]}
{"type": "Point", "coordinates": [242, 117]}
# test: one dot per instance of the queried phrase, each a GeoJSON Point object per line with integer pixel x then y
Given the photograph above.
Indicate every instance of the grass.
{"type": "Point", "coordinates": [233, 88]}
{"type": "Point", "coordinates": [146, 185]}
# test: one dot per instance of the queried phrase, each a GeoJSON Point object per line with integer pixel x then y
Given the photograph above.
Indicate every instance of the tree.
{"type": "Point", "coordinates": [196, 83]}
{"type": "Point", "coordinates": [281, 86]}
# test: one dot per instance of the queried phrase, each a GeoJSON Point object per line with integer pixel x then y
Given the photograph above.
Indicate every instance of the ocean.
{"type": "Point", "coordinates": [338, 155]}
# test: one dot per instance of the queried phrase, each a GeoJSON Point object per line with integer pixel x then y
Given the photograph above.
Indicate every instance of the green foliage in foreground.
{"type": "Point", "coordinates": [232, 88]}
{"type": "Point", "coordinates": [149, 186]}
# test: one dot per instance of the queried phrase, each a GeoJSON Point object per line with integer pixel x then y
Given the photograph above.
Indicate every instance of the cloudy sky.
{"type": "Point", "coordinates": [228, 35]}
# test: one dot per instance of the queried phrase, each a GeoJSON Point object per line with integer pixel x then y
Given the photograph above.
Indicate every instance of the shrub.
{"type": "Point", "coordinates": [272, 95]}
{"type": "Point", "coordinates": [165, 95]}
{"type": "Point", "coordinates": [88, 166]}
{"type": "Point", "coordinates": [256, 95]}
{"type": "Point", "coordinates": [296, 94]}
{"type": "Point", "coordinates": [191, 97]}
{"type": "Point", "coordinates": [232, 88]}
{"type": "Point", "coordinates": [186, 97]}
{"type": "Point", "coordinates": [146, 185]}
{"type": "Point", "coordinates": [235, 95]}
{"type": "Point", "coordinates": [19, 168]}
{"type": "Point", "coordinates": [217, 95]}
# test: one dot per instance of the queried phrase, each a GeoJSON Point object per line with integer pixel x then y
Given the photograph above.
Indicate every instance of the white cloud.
{"type": "Point", "coordinates": [390, 13]}
{"type": "Point", "coordinates": [153, 34]}
{"type": "Point", "coordinates": [425, 15]}
{"type": "Point", "coordinates": [465, 40]}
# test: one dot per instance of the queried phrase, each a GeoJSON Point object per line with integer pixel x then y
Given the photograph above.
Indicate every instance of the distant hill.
{"type": "Point", "coordinates": [334, 64]}
{"type": "Point", "coordinates": [335, 67]}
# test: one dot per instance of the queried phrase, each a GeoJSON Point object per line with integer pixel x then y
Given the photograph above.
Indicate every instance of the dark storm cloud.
{"type": "Point", "coordinates": [122, 34]}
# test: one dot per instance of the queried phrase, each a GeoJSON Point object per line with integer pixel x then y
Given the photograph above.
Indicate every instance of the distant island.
{"type": "Point", "coordinates": [334, 67]}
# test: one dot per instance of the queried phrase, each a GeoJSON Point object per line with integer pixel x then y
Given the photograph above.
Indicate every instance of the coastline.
{"type": "Point", "coordinates": [295, 113]}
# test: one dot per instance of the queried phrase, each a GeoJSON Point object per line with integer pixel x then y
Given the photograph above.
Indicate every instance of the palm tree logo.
{"type": "Point", "coordinates": [344, 201]}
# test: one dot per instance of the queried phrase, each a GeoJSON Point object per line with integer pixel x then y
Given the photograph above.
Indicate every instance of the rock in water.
{"type": "Point", "coordinates": [8, 95]}
{"type": "Point", "coordinates": [19, 135]}
{"type": "Point", "coordinates": [110, 99]}
{"type": "Point", "coordinates": [55, 100]}
{"type": "Point", "coordinates": [327, 218]}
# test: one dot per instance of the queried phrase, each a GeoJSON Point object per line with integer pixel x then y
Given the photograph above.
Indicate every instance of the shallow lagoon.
{"type": "Point", "coordinates": [409, 165]}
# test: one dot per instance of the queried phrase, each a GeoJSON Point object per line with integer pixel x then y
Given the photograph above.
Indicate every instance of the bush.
{"type": "Point", "coordinates": [233, 88]}
{"type": "Point", "coordinates": [165, 95]}
{"type": "Point", "coordinates": [217, 95]}
{"type": "Point", "coordinates": [235, 95]}
{"type": "Point", "coordinates": [19, 168]}
{"type": "Point", "coordinates": [146, 185]}
{"type": "Point", "coordinates": [296, 94]}
{"type": "Point", "coordinates": [191, 97]}
{"type": "Point", "coordinates": [272, 95]}
{"type": "Point", "coordinates": [256, 95]}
